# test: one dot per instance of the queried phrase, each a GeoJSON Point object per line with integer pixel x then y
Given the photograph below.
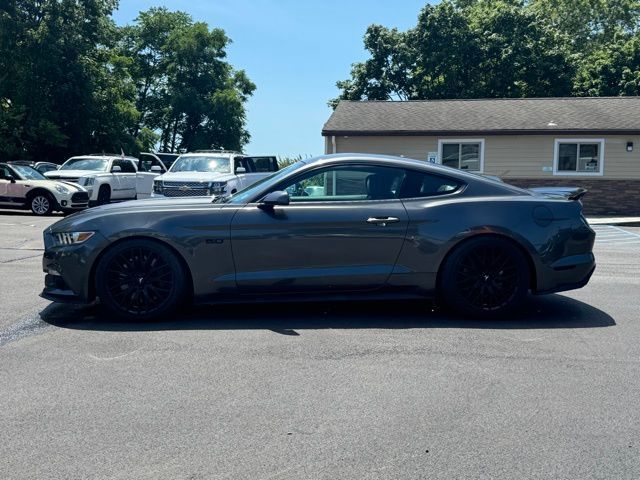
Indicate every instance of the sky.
{"type": "Point", "coordinates": [294, 51]}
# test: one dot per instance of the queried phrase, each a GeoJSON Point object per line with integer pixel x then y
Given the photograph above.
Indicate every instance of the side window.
{"type": "Point", "coordinates": [244, 163]}
{"type": "Point", "coordinates": [5, 173]}
{"type": "Point", "coordinates": [346, 183]}
{"type": "Point", "coordinates": [263, 164]}
{"type": "Point", "coordinates": [144, 165]}
{"type": "Point", "coordinates": [129, 167]}
{"type": "Point", "coordinates": [419, 184]}
{"type": "Point", "coordinates": [146, 162]}
{"type": "Point", "coordinates": [125, 165]}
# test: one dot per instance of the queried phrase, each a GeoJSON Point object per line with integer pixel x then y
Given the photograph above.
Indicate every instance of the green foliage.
{"type": "Point", "coordinates": [503, 48]}
{"type": "Point", "coordinates": [185, 88]}
{"type": "Point", "coordinates": [71, 82]}
{"type": "Point", "coordinates": [285, 161]}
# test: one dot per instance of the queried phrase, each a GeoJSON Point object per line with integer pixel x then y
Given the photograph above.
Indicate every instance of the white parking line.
{"type": "Point", "coordinates": [610, 234]}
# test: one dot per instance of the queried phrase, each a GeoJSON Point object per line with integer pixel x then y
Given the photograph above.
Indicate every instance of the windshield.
{"type": "Point", "coordinates": [28, 173]}
{"type": "Point", "coordinates": [202, 163]}
{"type": "Point", "coordinates": [244, 196]}
{"type": "Point", "coordinates": [93, 164]}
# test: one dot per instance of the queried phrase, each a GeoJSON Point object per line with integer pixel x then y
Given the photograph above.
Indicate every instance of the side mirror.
{"type": "Point", "coordinates": [273, 199]}
{"type": "Point", "coordinates": [156, 168]}
{"type": "Point", "coordinates": [11, 178]}
{"type": "Point", "coordinates": [241, 170]}
{"type": "Point", "coordinates": [116, 169]}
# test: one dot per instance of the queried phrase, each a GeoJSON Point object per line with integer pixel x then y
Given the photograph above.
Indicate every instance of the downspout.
{"type": "Point", "coordinates": [333, 143]}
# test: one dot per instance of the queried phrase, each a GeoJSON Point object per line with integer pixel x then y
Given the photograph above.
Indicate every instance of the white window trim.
{"type": "Point", "coordinates": [442, 142]}
{"type": "Point", "coordinates": [563, 173]}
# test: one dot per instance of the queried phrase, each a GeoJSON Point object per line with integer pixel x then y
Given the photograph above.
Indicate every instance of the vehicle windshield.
{"type": "Point", "coordinates": [244, 196]}
{"type": "Point", "coordinates": [28, 173]}
{"type": "Point", "coordinates": [204, 163]}
{"type": "Point", "coordinates": [86, 163]}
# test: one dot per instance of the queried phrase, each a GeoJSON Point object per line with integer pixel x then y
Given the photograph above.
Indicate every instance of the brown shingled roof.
{"type": "Point", "coordinates": [498, 116]}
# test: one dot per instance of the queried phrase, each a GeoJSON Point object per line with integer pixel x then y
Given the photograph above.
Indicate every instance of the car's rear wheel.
{"type": "Point", "coordinates": [41, 204]}
{"type": "Point", "coordinates": [485, 277]}
{"type": "Point", "coordinates": [104, 195]}
{"type": "Point", "coordinates": [140, 280]}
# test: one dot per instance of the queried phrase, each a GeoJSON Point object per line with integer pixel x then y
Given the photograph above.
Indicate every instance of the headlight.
{"type": "Point", "coordinates": [157, 186]}
{"type": "Point", "coordinates": [88, 181]}
{"type": "Point", "coordinates": [72, 238]}
{"type": "Point", "coordinates": [61, 189]}
{"type": "Point", "coordinates": [217, 188]}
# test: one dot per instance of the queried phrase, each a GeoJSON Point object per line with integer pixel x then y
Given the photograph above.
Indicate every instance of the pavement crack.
{"type": "Point", "coordinates": [3, 262]}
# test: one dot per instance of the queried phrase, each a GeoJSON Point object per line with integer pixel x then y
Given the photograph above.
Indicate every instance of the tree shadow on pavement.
{"type": "Point", "coordinates": [548, 312]}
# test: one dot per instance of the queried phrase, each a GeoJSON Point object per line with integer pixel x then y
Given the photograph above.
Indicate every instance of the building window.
{"type": "Point", "coordinates": [579, 157]}
{"type": "Point", "coordinates": [462, 154]}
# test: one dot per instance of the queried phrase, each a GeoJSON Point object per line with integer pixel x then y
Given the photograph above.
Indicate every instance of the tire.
{"type": "Point", "coordinates": [42, 204]}
{"type": "Point", "coordinates": [104, 195]}
{"type": "Point", "coordinates": [485, 277]}
{"type": "Point", "coordinates": [140, 280]}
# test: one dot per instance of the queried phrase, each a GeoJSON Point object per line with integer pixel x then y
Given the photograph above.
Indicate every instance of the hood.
{"type": "Point", "coordinates": [55, 174]}
{"type": "Point", "coordinates": [203, 177]}
{"type": "Point", "coordinates": [146, 207]}
{"type": "Point", "coordinates": [49, 184]}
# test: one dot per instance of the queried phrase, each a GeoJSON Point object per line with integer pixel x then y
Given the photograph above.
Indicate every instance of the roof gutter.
{"type": "Point", "coordinates": [457, 133]}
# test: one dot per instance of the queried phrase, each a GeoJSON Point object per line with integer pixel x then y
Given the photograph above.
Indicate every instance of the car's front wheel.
{"type": "Point", "coordinates": [41, 204]}
{"type": "Point", "coordinates": [104, 195]}
{"type": "Point", "coordinates": [140, 280]}
{"type": "Point", "coordinates": [485, 277]}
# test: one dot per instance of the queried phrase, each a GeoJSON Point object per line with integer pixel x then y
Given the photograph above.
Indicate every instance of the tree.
{"type": "Point", "coordinates": [586, 25]}
{"type": "Point", "coordinates": [56, 81]}
{"type": "Point", "coordinates": [611, 71]}
{"type": "Point", "coordinates": [72, 82]}
{"type": "Point", "coordinates": [502, 48]}
{"type": "Point", "coordinates": [185, 89]}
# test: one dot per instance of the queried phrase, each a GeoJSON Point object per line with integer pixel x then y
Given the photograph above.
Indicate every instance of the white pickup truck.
{"type": "Point", "coordinates": [212, 172]}
{"type": "Point", "coordinates": [111, 177]}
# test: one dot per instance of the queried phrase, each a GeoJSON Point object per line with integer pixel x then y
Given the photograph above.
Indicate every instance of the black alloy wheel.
{"type": "Point", "coordinates": [140, 279]}
{"type": "Point", "coordinates": [485, 276]}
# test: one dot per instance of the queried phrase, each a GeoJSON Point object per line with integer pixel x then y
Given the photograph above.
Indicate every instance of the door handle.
{"type": "Point", "coordinates": [382, 221]}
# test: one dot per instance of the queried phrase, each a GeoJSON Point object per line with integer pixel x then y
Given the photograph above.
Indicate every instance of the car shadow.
{"type": "Point", "coordinates": [548, 312]}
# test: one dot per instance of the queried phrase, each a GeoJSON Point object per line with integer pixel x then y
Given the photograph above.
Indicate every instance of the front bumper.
{"type": "Point", "coordinates": [68, 269]}
{"type": "Point", "coordinates": [57, 290]}
{"type": "Point", "coordinates": [73, 202]}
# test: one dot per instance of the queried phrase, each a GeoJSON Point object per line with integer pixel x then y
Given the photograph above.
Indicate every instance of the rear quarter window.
{"type": "Point", "coordinates": [420, 184]}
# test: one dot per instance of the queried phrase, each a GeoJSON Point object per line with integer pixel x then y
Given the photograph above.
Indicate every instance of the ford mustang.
{"type": "Point", "coordinates": [348, 226]}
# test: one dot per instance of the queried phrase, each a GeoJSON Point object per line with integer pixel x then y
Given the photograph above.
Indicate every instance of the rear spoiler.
{"type": "Point", "coordinates": [570, 193]}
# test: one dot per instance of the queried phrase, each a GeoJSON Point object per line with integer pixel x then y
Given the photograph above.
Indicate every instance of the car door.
{"type": "Point", "coordinates": [145, 175]}
{"type": "Point", "coordinates": [124, 185]}
{"type": "Point", "coordinates": [4, 184]}
{"type": "Point", "coordinates": [343, 230]}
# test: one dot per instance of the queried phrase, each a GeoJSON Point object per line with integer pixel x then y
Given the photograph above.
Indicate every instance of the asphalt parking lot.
{"type": "Point", "coordinates": [335, 391]}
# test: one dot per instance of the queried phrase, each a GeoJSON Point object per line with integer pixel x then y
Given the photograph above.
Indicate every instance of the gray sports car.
{"type": "Point", "coordinates": [331, 227]}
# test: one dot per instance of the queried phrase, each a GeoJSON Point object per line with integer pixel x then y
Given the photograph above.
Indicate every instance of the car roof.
{"type": "Point", "coordinates": [104, 157]}
{"type": "Point", "coordinates": [211, 154]}
{"type": "Point", "coordinates": [393, 161]}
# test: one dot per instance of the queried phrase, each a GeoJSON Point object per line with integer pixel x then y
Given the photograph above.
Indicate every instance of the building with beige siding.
{"type": "Point", "coordinates": [588, 142]}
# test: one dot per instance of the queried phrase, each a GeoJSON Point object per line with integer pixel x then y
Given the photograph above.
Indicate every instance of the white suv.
{"type": "Point", "coordinates": [212, 172]}
{"type": "Point", "coordinates": [105, 177]}
{"type": "Point", "coordinates": [23, 186]}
